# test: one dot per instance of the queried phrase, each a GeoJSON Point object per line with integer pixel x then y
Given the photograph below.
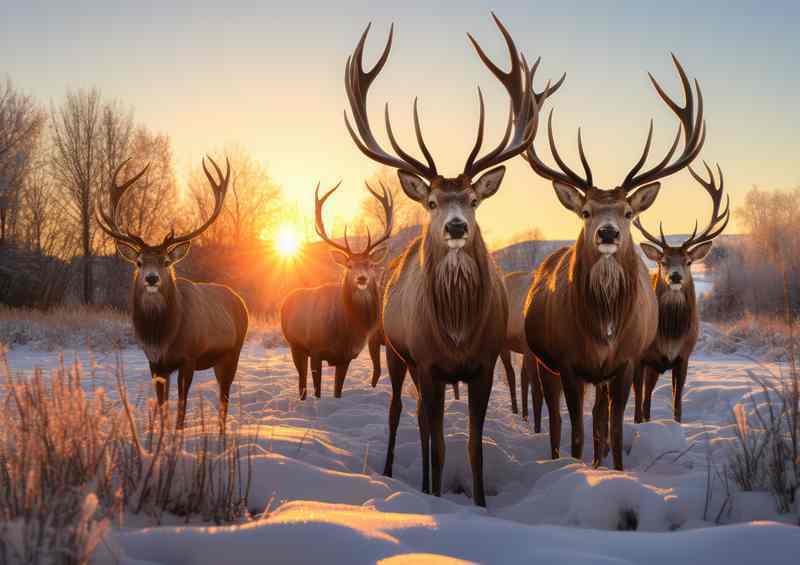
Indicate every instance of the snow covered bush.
{"type": "Point", "coordinates": [73, 459]}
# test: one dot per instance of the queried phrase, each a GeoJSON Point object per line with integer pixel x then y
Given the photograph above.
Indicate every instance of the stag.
{"type": "Point", "coordinates": [181, 325]}
{"type": "Point", "coordinates": [445, 308]}
{"type": "Point", "coordinates": [332, 322]}
{"type": "Point", "coordinates": [678, 318]}
{"type": "Point", "coordinates": [591, 312]}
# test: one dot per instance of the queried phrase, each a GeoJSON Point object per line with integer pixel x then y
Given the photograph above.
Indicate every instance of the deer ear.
{"type": "Point", "coordinates": [643, 198]}
{"type": "Point", "coordinates": [489, 182]}
{"type": "Point", "coordinates": [652, 252]}
{"type": "Point", "coordinates": [570, 197]}
{"type": "Point", "coordinates": [379, 255]}
{"type": "Point", "coordinates": [699, 252]}
{"type": "Point", "coordinates": [414, 187]}
{"type": "Point", "coordinates": [128, 252]}
{"type": "Point", "coordinates": [179, 252]}
{"type": "Point", "coordinates": [340, 258]}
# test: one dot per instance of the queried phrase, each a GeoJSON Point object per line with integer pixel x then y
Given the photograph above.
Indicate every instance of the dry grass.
{"type": "Point", "coordinates": [66, 327]}
{"type": "Point", "coordinates": [766, 338]}
{"type": "Point", "coordinates": [73, 460]}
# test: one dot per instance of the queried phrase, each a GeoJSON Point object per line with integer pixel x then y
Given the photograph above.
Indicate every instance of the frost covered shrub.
{"type": "Point", "coordinates": [766, 455]}
{"type": "Point", "coordinates": [72, 460]}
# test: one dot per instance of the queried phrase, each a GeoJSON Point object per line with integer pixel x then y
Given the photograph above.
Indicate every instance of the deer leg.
{"type": "Point", "coordinates": [532, 368]}
{"type": "Point", "coordinates": [300, 359]}
{"type": "Point", "coordinates": [573, 393]}
{"type": "Point", "coordinates": [551, 390]}
{"type": "Point", "coordinates": [600, 424]}
{"type": "Point", "coordinates": [505, 356]}
{"type": "Point", "coordinates": [397, 374]}
{"type": "Point", "coordinates": [225, 373]}
{"type": "Point", "coordinates": [524, 385]}
{"type": "Point", "coordinates": [456, 392]}
{"type": "Point", "coordinates": [341, 373]}
{"type": "Point", "coordinates": [375, 342]}
{"type": "Point", "coordinates": [185, 375]}
{"type": "Point", "coordinates": [433, 403]}
{"type": "Point", "coordinates": [316, 375]}
{"type": "Point", "coordinates": [424, 437]}
{"type": "Point", "coordinates": [620, 391]}
{"type": "Point", "coordinates": [678, 380]}
{"type": "Point", "coordinates": [638, 383]}
{"type": "Point", "coordinates": [479, 391]}
{"type": "Point", "coordinates": [650, 379]}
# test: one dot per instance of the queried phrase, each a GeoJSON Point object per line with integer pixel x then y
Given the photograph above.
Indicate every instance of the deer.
{"type": "Point", "coordinates": [678, 316]}
{"type": "Point", "coordinates": [332, 322]}
{"type": "Point", "coordinates": [591, 312]}
{"type": "Point", "coordinates": [531, 374]}
{"type": "Point", "coordinates": [181, 325]}
{"type": "Point", "coordinates": [445, 307]}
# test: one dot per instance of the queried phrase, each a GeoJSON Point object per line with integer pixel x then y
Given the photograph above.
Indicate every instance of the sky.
{"type": "Point", "coordinates": [269, 76]}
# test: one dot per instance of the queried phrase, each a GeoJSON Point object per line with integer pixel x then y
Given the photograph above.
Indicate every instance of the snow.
{"type": "Point", "coordinates": [318, 465]}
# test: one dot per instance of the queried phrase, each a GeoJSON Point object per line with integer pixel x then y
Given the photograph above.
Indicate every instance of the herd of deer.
{"type": "Point", "coordinates": [590, 313]}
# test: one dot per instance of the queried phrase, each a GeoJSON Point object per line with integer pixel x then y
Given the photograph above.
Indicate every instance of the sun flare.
{"type": "Point", "coordinates": [288, 240]}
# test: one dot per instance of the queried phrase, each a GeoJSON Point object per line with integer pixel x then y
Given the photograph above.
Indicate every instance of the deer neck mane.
{"type": "Point", "coordinates": [361, 306]}
{"type": "Point", "coordinates": [456, 288]}
{"type": "Point", "coordinates": [676, 309]}
{"type": "Point", "coordinates": [603, 287]}
{"type": "Point", "coordinates": [156, 320]}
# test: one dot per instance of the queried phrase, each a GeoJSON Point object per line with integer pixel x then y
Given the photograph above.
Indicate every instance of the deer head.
{"type": "Point", "coordinates": [154, 276]}
{"type": "Point", "coordinates": [607, 214]}
{"type": "Point", "coordinates": [450, 201]}
{"type": "Point", "coordinates": [362, 268]}
{"type": "Point", "coordinates": [674, 262]}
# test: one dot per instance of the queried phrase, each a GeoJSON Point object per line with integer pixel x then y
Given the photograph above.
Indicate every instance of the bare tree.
{"type": "Point", "coordinates": [89, 141]}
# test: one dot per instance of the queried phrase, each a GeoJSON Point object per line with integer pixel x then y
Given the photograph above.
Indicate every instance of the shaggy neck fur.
{"type": "Point", "coordinates": [361, 306]}
{"type": "Point", "coordinates": [156, 316]}
{"type": "Point", "coordinates": [604, 284]}
{"type": "Point", "coordinates": [676, 309]}
{"type": "Point", "coordinates": [456, 292]}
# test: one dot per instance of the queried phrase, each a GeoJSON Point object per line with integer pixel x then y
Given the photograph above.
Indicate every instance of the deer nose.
{"type": "Point", "coordinates": [675, 278]}
{"type": "Point", "coordinates": [151, 279]}
{"type": "Point", "coordinates": [608, 234]}
{"type": "Point", "coordinates": [361, 279]}
{"type": "Point", "coordinates": [456, 228]}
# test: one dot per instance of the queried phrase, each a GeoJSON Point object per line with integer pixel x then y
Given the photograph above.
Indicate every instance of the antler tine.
{"type": "Point", "coordinates": [219, 188]}
{"type": "Point", "coordinates": [660, 242]}
{"type": "Point", "coordinates": [357, 83]}
{"type": "Point", "coordinates": [319, 224]}
{"type": "Point", "coordinates": [692, 126]}
{"type": "Point", "coordinates": [566, 174]}
{"type": "Point", "coordinates": [108, 222]}
{"type": "Point", "coordinates": [523, 111]}
{"type": "Point", "coordinates": [387, 203]}
{"type": "Point", "coordinates": [718, 221]}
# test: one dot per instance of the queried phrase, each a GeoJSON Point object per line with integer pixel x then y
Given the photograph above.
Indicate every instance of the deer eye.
{"type": "Point", "coordinates": [139, 263]}
{"type": "Point", "coordinates": [432, 205]}
{"type": "Point", "coordinates": [585, 214]}
{"type": "Point", "coordinates": [474, 203]}
{"type": "Point", "coordinates": [628, 215]}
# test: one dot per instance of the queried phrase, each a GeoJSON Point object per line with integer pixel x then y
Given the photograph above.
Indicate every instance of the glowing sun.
{"type": "Point", "coordinates": [288, 240]}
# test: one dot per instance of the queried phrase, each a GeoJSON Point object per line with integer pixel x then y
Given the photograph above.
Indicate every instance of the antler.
{"type": "Point", "coordinates": [357, 83]}
{"type": "Point", "coordinates": [219, 188]}
{"type": "Point", "coordinates": [387, 203]}
{"type": "Point", "coordinates": [660, 242]}
{"type": "Point", "coordinates": [713, 229]}
{"type": "Point", "coordinates": [319, 224]}
{"type": "Point", "coordinates": [693, 128]}
{"type": "Point", "coordinates": [523, 112]}
{"type": "Point", "coordinates": [116, 191]}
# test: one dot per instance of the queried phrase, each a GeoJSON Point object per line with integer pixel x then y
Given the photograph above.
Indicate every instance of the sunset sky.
{"type": "Point", "coordinates": [269, 76]}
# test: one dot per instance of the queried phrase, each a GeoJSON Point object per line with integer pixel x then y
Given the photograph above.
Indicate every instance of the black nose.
{"type": "Point", "coordinates": [151, 279]}
{"type": "Point", "coordinates": [361, 279]}
{"type": "Point", "coordinates": [675, 278]}
{"type": "Point", "coordinates": [456, 228]}
{"type": "Point", "coordinates": [608, 234]}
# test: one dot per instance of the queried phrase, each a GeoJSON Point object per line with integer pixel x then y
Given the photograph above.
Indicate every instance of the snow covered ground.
{"type": "Point", "coordinates": [319, 464]}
